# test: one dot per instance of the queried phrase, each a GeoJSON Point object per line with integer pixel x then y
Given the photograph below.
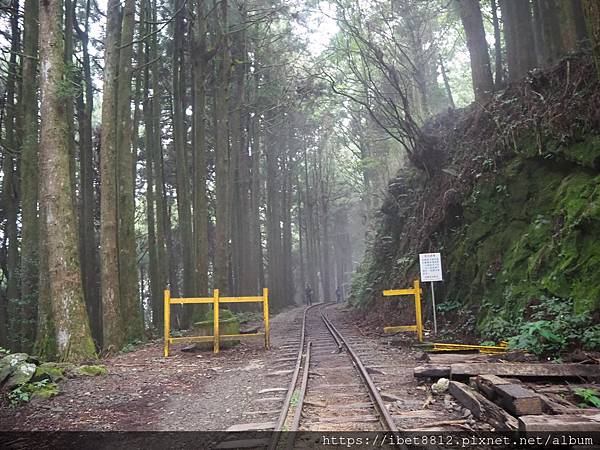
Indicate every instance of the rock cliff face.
{"type": "Point", "coordinates": [513, 205]}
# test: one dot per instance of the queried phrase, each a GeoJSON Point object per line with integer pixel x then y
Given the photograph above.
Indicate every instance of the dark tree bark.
{"type": "Point", "coordinates": [470, 15]}
{"type": "Point", "coordinates": [592, 13]}
{"type": "Point", "coordinates": [10, 191]}
{"type": "Point", "coordinates": [29, 174]}
{"type": "Point", "coordinates": [157, 160]}
{"type": "Point", "coordinates": [498, 62]}
{"type": "Point", "coordinates": [519, 37]}
{"type": "Point", "coordinates": [551, 42]}
{"type": "Point", "coordinates": [201, 215]}
{"type": "Point", "coordinates": [223, 224]}
{"type": "Point", "coordinates": [149, 141]}
{"type": "Point", "coordinates": [182, 185]}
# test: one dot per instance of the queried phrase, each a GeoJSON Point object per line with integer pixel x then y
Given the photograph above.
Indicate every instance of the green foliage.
{"type": "Point", "coordinates": [18, 396]}
{"type": "Point", "coordinates": [42, 389]}
{"type": "Point", "coordinates": [591, 338]}
{"type": "Point", "coordinates": [4, 352]}
{"type": "Point", "coordinates": [448, 306]}
{"type": "Point", "coordinates": [552, 326]}
{"type": "Point", "coordinates": [589, 396]}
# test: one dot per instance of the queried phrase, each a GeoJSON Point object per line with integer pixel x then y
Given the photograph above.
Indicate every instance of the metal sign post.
{"type": "Point", "coordinates": [434, 316]}
{"type": "Point", "coordinates": [431, 270]}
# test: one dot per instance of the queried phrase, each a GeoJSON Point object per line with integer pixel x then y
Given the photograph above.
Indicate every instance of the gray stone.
{"type": "Point", "coordinates": [9, 363]}
{"type": "Point", "coordinates": [21, 374]}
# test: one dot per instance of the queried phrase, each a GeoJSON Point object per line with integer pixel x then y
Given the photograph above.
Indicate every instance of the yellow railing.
{"type": "Point", "coordinates": [215, 300]}
{"type": "Point", "coordinates": [418, 327]}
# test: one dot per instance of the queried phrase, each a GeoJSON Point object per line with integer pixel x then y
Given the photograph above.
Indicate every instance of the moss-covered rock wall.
{"type": "Point", "coordinates": [514, 207]}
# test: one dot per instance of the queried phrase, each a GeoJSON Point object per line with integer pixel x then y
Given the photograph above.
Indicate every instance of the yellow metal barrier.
{"type": "Point", "coordinates": [215, 300]}
{"type": "Point", "coordinates": [418, 327]}
{"type": "Point", "coordinates": [502, 347]}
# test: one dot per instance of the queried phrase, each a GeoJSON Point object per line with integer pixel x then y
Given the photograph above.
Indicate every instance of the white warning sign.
{"type": "Point", "coordinates": [431, 267]}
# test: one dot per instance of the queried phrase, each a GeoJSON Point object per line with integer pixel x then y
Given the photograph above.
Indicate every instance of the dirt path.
{"type": "Point", "coordinates": [144, 391]}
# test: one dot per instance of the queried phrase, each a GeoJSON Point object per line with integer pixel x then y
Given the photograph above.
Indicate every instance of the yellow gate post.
{"type": "Point", "coordinates": [216, 301]}
{"type": "Point", "coordinates": [418, 327]}
{"type": "Point", "coordinates": [167, 319]}
{"type": "Point", "coordinates": [216, 320]}
{"type": "Point", "coordinates": [266, 317]}
{"type": "Point", "coordinates": [417, 285]}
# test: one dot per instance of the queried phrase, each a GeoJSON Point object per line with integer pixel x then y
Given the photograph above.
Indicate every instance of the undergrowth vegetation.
{"type": "Point", "coordinates": [551, 327]}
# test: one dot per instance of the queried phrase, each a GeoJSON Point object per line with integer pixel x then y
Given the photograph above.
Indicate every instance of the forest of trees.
{"type": "Point", "coordinates": [200, 144]}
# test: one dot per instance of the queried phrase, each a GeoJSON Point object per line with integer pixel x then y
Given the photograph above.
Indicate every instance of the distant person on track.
{"type": "Point", "coordinates": [308, 292]}
{"type": "Point", "coordinates": [338, 294]}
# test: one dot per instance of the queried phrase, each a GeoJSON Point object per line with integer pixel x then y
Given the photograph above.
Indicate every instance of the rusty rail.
{"type": "Point", "coordinates": [384, 414]}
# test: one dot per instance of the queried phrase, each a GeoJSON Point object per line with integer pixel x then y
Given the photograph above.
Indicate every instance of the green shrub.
{"type": "Point", "coordinates": [552, 326]}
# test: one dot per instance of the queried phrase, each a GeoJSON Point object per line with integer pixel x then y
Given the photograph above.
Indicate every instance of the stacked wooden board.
{"type": "Point", "coordinates": [509, 396]}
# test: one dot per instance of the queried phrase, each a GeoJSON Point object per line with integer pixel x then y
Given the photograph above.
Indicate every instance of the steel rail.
{"type": "Point", "coordinates": [384, 415]}
{"type": "Point", "coordinates": [292, 386]}
{"type": "Point", "coordinates": [302, 394]}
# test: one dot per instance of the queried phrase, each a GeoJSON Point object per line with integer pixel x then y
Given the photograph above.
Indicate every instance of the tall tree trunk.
{"type": "Point", "coordinates": [470, 15]}
{"type": "Point", "coordinates": [149, 142]}
{"type": "Point", "coordinates": [222, 154]}
{"type": "Point", "coordinates": [128, 271]}
{"type": "Point", "coordinates": [199, 62]}
{"type": "Point", "coordinates": [240, 168]}
{"type": "Point", "coordinates": [73, 336]}
{"type": "Point", "coordinates": [572, 25]}
{"type": "Point", "coordinates": [592, 14]}
{"type": "Point", "coordinates": [162, 260]}
{"type": "Point", "coordinates": [112, 330]}
{"type": "Point", "coordinates": [519, 37]}
{"type": "Point", "coordinates": [255, 238]}
{"type": "Point", "coordinates": [498, 64]}
{"type": "Point", "coordinates": [182, 184]}
{"type": "Point", "coordinates": [69, 11]}
{"type": "Point", "coordinates": [551, 41]}
{"type": "Point", "coordinates": [89, 248]}
{"type": "Point", "coordinates": [10, 187]}
{"type": "Point", "coordinates": [29, 174]}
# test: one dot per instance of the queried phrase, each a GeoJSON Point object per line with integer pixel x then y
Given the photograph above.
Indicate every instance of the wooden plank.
{"type": "Point", "coordinates": [481, 407]}
{"type": "Point", "coordinates": [486, 384]}
{"type": "Point", "coordinates": [252, 426]}
{"type": "Point", "coordinates": [562, 423]}
{"type": "Point", "coordinates": [520, 370]}
{"type": "Point", "coordinates": [518, 400]}
{"type": "Point", "coordinates": [431, 371]}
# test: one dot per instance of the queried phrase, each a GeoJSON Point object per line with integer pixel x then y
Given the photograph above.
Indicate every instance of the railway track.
{"type": "Point", "coordinates": [331, 389]}
{"type": "Point", "coordinates": [335, 383]}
